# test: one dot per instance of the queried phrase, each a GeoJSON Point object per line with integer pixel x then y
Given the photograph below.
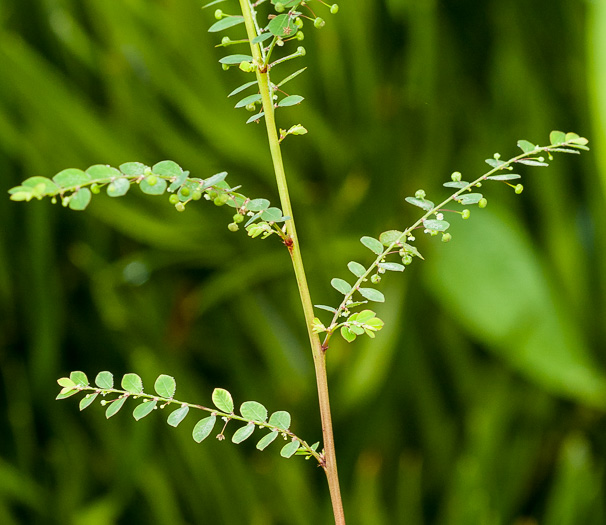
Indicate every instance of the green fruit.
{"type": "Point", "coordinates": [300, 36]}
{"type": "Point", "coordinates": [280, 7]}
{"type": "Point", "coordinates": [221, 199]}
{"type": "Point", "coordinates": [184, 191]}
{"type": "Point", "coordinates": [319, 22]}
{"type": "Point", "coordinates": [225, 40]}
{"type": "Point", "coordinates": [233, 227]}
{"type": "Point", "coordinates": [225, 67]}
{"type": "Point", "coordinates": [196, 195]}
{"type": "Point", "coordinates": [519, 189]}
{"type": "Point", "coordinates": [152, 180]}
{"type": "Point", "coordinates": [173, 199]}
{"type": "Point", "coordinates": [482, 203]}
{"type": "Point", "coordinates": [465, 214]}
{"type": "Point", "coordinates": [420, 194]}
{"type": "Point", "coordinates": [95, 188]}
{"type": "Point", "coordinates": [446, 237]}
{"type": "Point", "coordinates": [238, 218]}
{"type": "Point", "coordinates": [406, 260]}
{"type": "Point", "coordinates": [218, 14]}
{"type": "Point", "coordinates": [250, 107]}
{"type": "Point", "coordinates": [298, 22]}
{"type": "Point", "coordinates": [180, 206]}
{"type": "Point", "coordinates": [456, 176]}
{"type": "Point", "coordinates": [301, 51]}
{"type": "Point", "coordinates": [334, 9]}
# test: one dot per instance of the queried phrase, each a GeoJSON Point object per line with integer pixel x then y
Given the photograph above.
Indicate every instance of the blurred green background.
{"type": "Point", "coordinates": [481, 402]}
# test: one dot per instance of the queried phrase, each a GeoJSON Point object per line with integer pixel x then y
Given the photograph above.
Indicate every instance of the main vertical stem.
{"type": "Point", "coordinates": [319, 355]}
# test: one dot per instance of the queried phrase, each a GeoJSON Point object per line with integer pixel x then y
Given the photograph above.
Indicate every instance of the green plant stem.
{"type": "Point", "coordinates": [319, 355]}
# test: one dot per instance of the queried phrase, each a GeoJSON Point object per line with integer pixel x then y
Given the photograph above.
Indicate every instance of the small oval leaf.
{"type": "Point", "coordinates": [80, 199]}
{"type": "Point", "coordinates": [356, 268]}
{"type": "Point", "coordinates": [253, 411]}
{"type": "Point", "coordinates": [243, 433]}
{"type": "Point", "coordinates": [290, 101]}
{"type": "Point", "coordinates": [372, 244]}
{"type": "Point", "coordinates": [222, 400]}
{"type": "Point", "coordinates": [203, 428]}
{"type": "Point", "coordinates": [132, 383]}
{"type": "Point", "coordinates": [469, 198]}
{"type": "Point", "coordinates": [144, 409]}
{"type": "Point", "coordinates": [176, 416]}
{"type": "Point", "coordinates": [104, 380]}
{"type": "Point", "coordinates": [79, 378]}
{"type": "Point", "coordinates": [118, 187]}
{"type": "Point", "coordinates": [289, 449]}
{"type": "Point", "coordinates": [226, 23]}
{"type": "Point", "coordinates": [436, 225]}
{"type": "Point", "coordinates": [421, 203]}
{"type": "Point", "coordinates": [390, 237]}
{"type": "Point", "coordinates": [341, 286]}
{"type": "Point", "coordinates": [115, 406]}
{"type": "Point", "coordinates": [280, 419]}
{"type": "Point", "coordinates": [267, 440]}
{"type": "Point", "coordinates": [165, 386]}
{"type": "Point", "coordinates": [87, 400]}
{"type": "Point", "coordinates": [372, 295]}
{"type": "Point", "coordinates": [392, 267]}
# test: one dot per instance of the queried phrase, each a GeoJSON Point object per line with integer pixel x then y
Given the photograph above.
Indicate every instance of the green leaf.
{"type": "Point", "coordinates": [79, 379]}
{"type": "Point", "coordinates": [253, 411]}
{"type": "Point", "coordinates": [226, 23]}
{"type": "Point", "coordinates": [256, 118]}
{"type": "Point", "coordinates": [421, 203]}
{"type": "Point", "coordinates": [289, 449]}
{"type": "Point", "coordinates": [232, 60]}
{"type": "Point", "coordinates": [469, 198]}
{"type": "Point", "coordinates": [66, 382]}
{"type": "Point", "coordinates": [41, 185]}
{"type": "Point", "coordinates": [290, 77]}
{"type": "Point", "coordinates": [243, 433]}
{"type": "Point", "coordinates": [115, 406]}
{"type": "Point", "coordinates": [157, 188]}
{"type": "Point", "coordinates": [372, 295]}
{"type": "Point", "coordinates": [133, 169]}
{"type": "Point", "coordinates": [280, 419]}
{"type": "Point", "coordinates": [65, 393]}
{"type": "Point", "coordinates": [178, 181]}
{"type": "Point", "coordinates": [250, 99]}
{"type": "Point", "coordinates": [526, 146]}
{"type": "Point", "coordinates": [495, 163]}
{"type": "Point", "coordinates": [290, 101]}
{"type": "Point", "coordinates": [101, 171]}
{"type": "Point", "coordinates": [176, 416]}
{"type": "Point", "coordinates": [87, 400]}
{"type": "Point", "coordinates": [242, 88]}
{"type": "Point", "coordinates": [458, 184]}
{"type": "Point", "coordinates": [348, 334]}
{"type": "Point", "coordinates": [272, 215]}
{"type": "Point", "coordinates": [532, 162]}
{"type": "Point", "coordinates": [267, 440]}
{"type": "Point", "coordinates": [167, 168]}
{"type": "Point", "coordinates": [362, 317]}
{"type": "Point", "coordinates": [165, 386]}
{"type": "Point", "coordinates": [389, 237]}
{"type": "Point", "coordinates": [144, 409]}
{"type": "Point", "coordinates": [80, 199]}
{"type": "Point", "coordinates": [214, 180]}
{"type": "Point", "coordinates": [506, 176]}
{"type": "Point", "coordinates": [203, 428]}
{"type": "Point", "coordinates": [557, 137]}
{"type": "Point", "coordinates": [436, 225]}
{"type": "Point", "coordinates": [409, 248]}
{"type": "Point", "coordinates": [324, 307]}
{"type": "Point", "coordinates": [356, 268]}
{"type": "Point", "coordinates": [258, 205]}
{"type": "Point", "coordinates": [392, 267]}
{"type": "Point", "coordinates": [71, 177]}
{"type": "Point", "coordinates": [262, 38]}
{"type": "Point", "coordinates": [132, 383]}
{"type": "Point", "coordinates": [222, 400]}
{"type": "Point", "coordinates": [282, 26]}
{"type": "Point", "coordinates": [340, 285]}
{"type": "Point", "coordinates": [104, 380]}
{"type": "Point", "coordinates": [372, 244]}
{"type": "Point", "coordinates": [118, 187]}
